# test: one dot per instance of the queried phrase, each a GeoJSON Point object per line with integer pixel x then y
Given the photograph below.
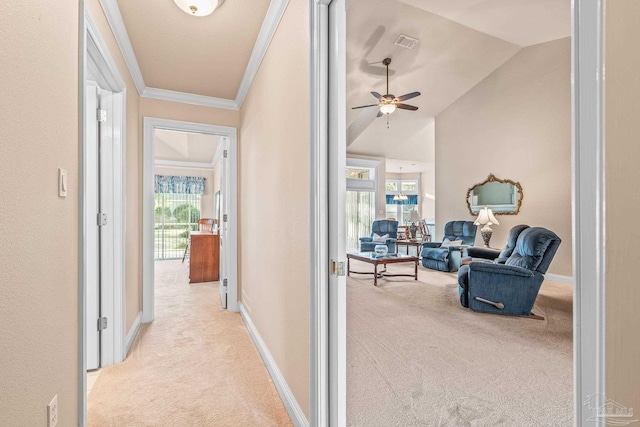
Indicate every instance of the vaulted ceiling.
{"type": "Point", "coordinates": [460, 43]}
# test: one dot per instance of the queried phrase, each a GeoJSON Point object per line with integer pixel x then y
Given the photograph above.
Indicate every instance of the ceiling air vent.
{"type": "Point", "coordinates": [406, 42]}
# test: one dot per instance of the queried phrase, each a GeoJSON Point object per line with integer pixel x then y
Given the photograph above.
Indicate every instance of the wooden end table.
{"type": "Point", "coordinates": [408, 243]}
{"type": "Point", "coordinates": [371, 258]}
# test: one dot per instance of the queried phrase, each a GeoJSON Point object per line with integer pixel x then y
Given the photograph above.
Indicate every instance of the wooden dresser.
{"type": "Point", "coordinates": [204, 261]}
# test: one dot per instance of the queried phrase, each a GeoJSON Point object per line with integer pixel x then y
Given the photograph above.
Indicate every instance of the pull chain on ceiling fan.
{"type": "Point", "coordinates": [388, 102]}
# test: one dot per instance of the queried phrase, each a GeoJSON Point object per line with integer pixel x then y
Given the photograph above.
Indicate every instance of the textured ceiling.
{"type": "Point", "coordinates": [185, 146]}
{"type": "Point", "coordinates": [201, 55]}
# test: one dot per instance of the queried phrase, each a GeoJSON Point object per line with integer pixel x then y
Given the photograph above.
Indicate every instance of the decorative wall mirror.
{"type": "Point", "coordinates": [502, 196]}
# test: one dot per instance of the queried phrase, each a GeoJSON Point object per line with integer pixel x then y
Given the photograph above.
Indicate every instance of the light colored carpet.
{"type": "Point", "coordinates": [417, 358]}
{"type": "Point", "coordinates": [195, 365]}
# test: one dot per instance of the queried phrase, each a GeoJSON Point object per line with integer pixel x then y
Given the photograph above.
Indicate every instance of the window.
{"type": "Point", "coordinates": [176, 215]}
{"type": "Point", "coordinates": [359, 173]}
{"type": "Point", "coordinates": [361, 211]}
{"type": "Point", "coordinates": [401, 211]}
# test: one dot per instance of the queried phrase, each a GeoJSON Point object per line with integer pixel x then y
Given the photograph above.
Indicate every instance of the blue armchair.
{"type": "Point", "coordinates": [381, 227]}
{"type": "Point", "coordinates": [447, 258]}
{"type": "Point", "coordinates": [512, 287]}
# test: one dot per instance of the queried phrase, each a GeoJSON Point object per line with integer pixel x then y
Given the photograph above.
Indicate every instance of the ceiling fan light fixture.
{"type": "Point", "coordinates": [198, 7]}
{"type": "Point", "coordinates": [387, 108]}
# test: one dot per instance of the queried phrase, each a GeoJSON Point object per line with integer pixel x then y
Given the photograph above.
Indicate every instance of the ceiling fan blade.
{"type": "Point", "coordinates": [364, 106]}
{"type": "Point", "coordinates": [379, 114]}
{"type": "Point", "coordinates": [406, 107]}
{"type": "Point", "coordinates": [376, 94]}
{"type": "Point", "coordinates": [408, 96]}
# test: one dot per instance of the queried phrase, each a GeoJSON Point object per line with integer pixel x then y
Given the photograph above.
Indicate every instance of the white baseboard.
{"type": "Point", "coordinates": [559, 278]}
{"type": "Point", "coordinates": [290, 402]}
{"type": "Point", "coordinates": [133, 332]}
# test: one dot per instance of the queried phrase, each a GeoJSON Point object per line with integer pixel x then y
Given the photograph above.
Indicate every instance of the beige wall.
{"type": "Point", "coordinates": [38, 230]}
{"type": "Point", "coordinates": [206, 200]}
{"type": "Point", "coordinates": [623, 201]}
{"type": "Point", "coordinates": [516, 124]}
{"type": "Point", "coordinates": [274, 201]}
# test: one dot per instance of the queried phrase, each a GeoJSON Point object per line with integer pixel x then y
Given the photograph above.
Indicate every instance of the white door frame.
{"type": "Point", "coordinates": [230, 135]}
{"type": "Point", "coordinates": [327, 326]}
{"type": "Point", "coordinates": [96, 63]}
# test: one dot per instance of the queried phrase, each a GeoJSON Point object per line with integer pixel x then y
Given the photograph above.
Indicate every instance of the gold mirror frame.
{"type": "Point", "coordinates": [492, 178]}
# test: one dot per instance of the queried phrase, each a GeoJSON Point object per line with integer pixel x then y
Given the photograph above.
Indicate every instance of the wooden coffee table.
{"type": "Point", "coordinates": [371, 258]}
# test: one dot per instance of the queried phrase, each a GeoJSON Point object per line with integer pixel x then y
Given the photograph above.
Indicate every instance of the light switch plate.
{"type": "Point", "coordinates": [62, 182]}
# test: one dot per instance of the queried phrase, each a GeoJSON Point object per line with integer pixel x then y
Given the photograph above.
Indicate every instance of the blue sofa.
{"type": "Point", "coordinates": [436, 257]}
{"type": "Point", "coordinates": [381, 227]}
{"type": "Point", "coordinates": [510, 288]}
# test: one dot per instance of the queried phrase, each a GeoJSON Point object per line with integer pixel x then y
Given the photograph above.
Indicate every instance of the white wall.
{"type": "Point", "coordinates": [516, 124]}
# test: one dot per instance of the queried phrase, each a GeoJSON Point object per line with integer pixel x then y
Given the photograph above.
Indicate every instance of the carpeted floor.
{"type": "Point", "coordinates": [417, 358]}
{"type": "Point", "coordinates": [195, 365]}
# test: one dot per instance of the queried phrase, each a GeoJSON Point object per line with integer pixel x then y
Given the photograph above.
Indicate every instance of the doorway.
{"type": "Point", "coordinates": [220, 204]}
{"type": "Point", "coordinates": [328, 142]}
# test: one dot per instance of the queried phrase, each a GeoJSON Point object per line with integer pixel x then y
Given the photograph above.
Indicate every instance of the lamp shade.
{"type": "Point", "coordinates": [414, 216]}
{"type": "Point", "coordinates": [485, 217]}
{"type": "Point", "coordinates": [199, 7]}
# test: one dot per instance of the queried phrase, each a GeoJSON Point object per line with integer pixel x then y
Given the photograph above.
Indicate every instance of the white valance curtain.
{"type": "Point", "coordinates": [178, 184]}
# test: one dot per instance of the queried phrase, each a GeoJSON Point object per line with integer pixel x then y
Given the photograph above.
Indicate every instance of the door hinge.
{"type": "Point", "coordinates": [225, 218]}
{"type": "Point", "coordinates": [102, 323]}
{"type": "Point", "coordinates": [337, 268]}
{"type": "Point", "coordinates": [101, 115]}
{"type": "Point", "coordinates": [225, 154]}
{"type": "Point", "coordinates": [102, 219]}
{"type": "Point", "coordinates": [224, 282]}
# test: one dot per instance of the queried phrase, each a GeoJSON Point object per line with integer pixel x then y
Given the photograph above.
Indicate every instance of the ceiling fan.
{"type": "Point", "coordinates": [388, 103]}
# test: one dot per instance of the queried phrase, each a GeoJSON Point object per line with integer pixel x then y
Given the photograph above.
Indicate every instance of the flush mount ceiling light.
{"type": "Point", "coordinates": [199, 7]}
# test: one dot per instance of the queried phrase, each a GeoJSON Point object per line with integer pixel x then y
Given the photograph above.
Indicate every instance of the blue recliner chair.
{"type": "Point", "coordinates": [436, 257]}
{"type": "Point", "coordinates": [510, 288]}
{"type": "Point", "coordinates": [381, 227]}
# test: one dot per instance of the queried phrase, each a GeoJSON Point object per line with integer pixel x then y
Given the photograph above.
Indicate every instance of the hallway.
{"type": "Point", "coordinates": [195, 365]}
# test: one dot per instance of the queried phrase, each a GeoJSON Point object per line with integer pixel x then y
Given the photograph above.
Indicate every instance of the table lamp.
{"type": "Point", "coordinates": [486, 218]}
{"type": "Point", "coordinates": [414, 219]}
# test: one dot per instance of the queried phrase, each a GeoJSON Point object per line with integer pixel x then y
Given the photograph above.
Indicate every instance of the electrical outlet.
{"type": "Point", "coordinates": [52, 412]}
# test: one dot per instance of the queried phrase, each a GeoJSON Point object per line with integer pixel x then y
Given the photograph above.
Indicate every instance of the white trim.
{"type": "Point", "coordinates": [189, 98]}
{"type": "Point", "coordinates": [149, 125]}
{"type": "Point", "coordinates": [559, 278]}
{"type": "Point", "coordinates": [112, 13]}
{"type": "Point", "coordinates": [289, 400]}
{"type": "Point", "coordinates": [589, 239]}
{"type": "Point", "coordinates": [269, 26]}
{"type": "Point", "coordinates": [133, 332]}
{"type": "Point", "coordinates": [319, 217]}
{"type": "Point", "coordinates": [177, 164]}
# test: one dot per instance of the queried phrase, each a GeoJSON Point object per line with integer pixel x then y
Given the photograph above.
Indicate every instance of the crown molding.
{"type": "Point", "coordinates": [189, 98]}
{"type": "Point", "coordinates": [112, 12]}
{"type": "Point", "coordinates": [269, 26]}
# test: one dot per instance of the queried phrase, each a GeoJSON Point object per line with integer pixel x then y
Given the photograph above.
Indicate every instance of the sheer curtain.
{"type": "Point", "coordinates": [360, 210]}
